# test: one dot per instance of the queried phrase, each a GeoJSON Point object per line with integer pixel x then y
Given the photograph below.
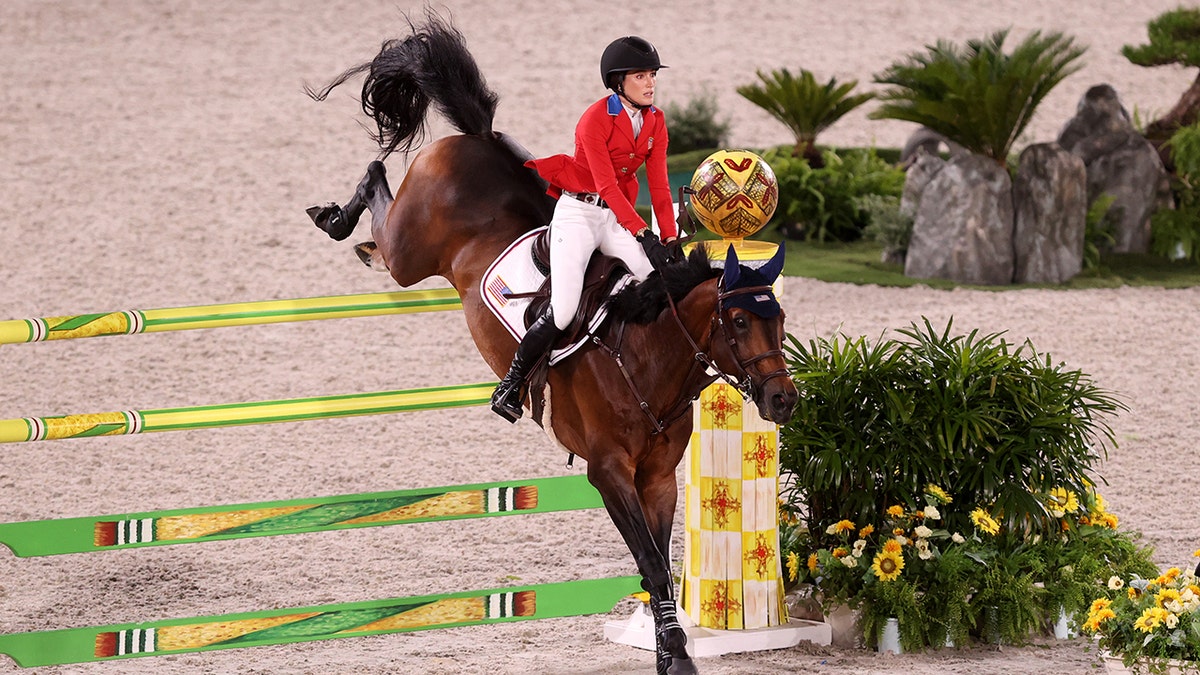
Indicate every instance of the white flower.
{"type": "Point", "coordinates": [923, 550]}
{"type": "Point", "coordinates": [931, 512]}
{"type": "Point", "coordinates": [957, 538]}
{"type": "Point", "coordinates": [1115, 583]}
{"type": "Point", "coordinates": [1171, 621]}
{"type": "Point", "coordinates": [1173, 606]}
{"type": "Point", "coordinates": [832, 529]}
{"type": "Point", "coordinates": [849, 561]}
{"type": "Point", "coordinates": [1186, 595]}
{"type": "Point", "coordinates": [901, 539]}
{"type": "Point", "coordinates": [923, 532]}
{"type": "Point", "coordinates": [859, 546]}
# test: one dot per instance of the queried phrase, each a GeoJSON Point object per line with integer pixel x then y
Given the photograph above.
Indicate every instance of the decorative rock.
{"type": "Point", "coordinates": [963, 224]}
{"type": "Point", "coordinates": [1050, 204]}
{"type": "Point", "coordinates": [921, 170]}
{"type": "Point", "coordinates": [1120, 162]}
{"type": "Point", "coordinates": [930, 142]}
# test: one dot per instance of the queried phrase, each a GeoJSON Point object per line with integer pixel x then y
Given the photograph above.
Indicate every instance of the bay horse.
{"type": "Point", "coordinates": [622, 404]}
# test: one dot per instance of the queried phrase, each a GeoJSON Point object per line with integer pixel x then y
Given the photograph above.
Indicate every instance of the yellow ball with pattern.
{"type": "Point", "coordinates": [734, 193]}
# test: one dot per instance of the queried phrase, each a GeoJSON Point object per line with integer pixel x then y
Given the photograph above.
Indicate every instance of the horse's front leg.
{"type": "Point", "coordinates": [372, 193]}
{"type": "Point", "coordinates": [658, 492]}
{"type": "Point", "coordinates": [614, 479]}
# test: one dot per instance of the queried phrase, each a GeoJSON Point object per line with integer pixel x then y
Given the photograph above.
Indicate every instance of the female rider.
{"type": "Point", "coordinates": [596, 189]}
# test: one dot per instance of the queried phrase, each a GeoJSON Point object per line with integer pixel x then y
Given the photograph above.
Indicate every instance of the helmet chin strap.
{"type": "Point", "coordinates": [620, 89]}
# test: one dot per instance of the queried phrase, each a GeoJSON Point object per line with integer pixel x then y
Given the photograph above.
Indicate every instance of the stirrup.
{"type": "Point", "coordinates": [503, 404]}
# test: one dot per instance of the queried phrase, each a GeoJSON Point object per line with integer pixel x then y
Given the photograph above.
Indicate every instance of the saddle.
{"type": "Point", "coordinates": [602, 272]}
{"type": "Point", "coordinates": [598, 279]}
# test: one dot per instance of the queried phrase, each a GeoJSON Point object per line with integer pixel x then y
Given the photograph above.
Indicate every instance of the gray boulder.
{"type": "Point", "coordinates": [1050, 206]}
{"type": "Point", "coordinates": [1120, 162]}
{"type": "Point", "coordinates": [921, 168]}
{"type": "Point", "coordinates": [963, 224]}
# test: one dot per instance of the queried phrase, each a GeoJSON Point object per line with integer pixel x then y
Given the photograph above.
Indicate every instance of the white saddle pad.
{"type": "Point", "coordinates": [513, 273]}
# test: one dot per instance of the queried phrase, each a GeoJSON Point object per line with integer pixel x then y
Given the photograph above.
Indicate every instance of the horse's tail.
{"type": "Point", "coordinates": [431, 65]}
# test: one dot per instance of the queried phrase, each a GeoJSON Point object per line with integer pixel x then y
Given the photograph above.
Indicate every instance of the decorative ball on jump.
{"type": "Point", "coordinates": [734, 193]}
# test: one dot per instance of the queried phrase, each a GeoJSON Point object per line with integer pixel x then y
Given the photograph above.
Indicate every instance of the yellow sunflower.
{"type": "Point", "coordinates": [1150, 619]}
{"type": "Point", "coordinates": [1099, 604]}
{"type": "Point", "coordinates": [1094, 621]}
{"type": "Point", "coordinates": [1062, 501]}
{"type": "Point", "coordinates": [1166, 595]}
{"type": "Point", "coordinates": [887, 566]}
{"type": "Point", "coordinates": [938, 493]}
{"type": "Point", "coordinates": [793, 566]}
{"type": "Point", "coordinates": [984, 521]}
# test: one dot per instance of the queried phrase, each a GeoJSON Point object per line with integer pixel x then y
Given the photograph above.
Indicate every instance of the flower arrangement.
{"type": "Point", "coordinates": [880, 433]}
{"type": "Point", "coordinates": [945, 584]}
{"type": "Point", "coordinates": [1149, 621]}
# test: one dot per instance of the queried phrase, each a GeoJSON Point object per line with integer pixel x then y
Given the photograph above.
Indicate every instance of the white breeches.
{"type": "Point", "coordinates": [576, 231]}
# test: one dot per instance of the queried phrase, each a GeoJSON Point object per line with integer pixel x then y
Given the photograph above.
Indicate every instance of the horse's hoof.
{"type": "Point", "coordinates": [682, 667]}
{"type": "Point", "coordinates": [368, 253]}
{"type": "Point", "coordinates": [331, 219]}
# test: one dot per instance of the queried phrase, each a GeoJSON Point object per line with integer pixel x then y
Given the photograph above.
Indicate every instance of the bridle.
{"type": "Point", "coordinates": [701, 359]}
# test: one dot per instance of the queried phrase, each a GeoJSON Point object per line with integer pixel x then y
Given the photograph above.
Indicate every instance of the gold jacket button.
{"type": "Point", "coordinates": [631, 155]}
{"type": "Point", "coordinates": [624, 169]}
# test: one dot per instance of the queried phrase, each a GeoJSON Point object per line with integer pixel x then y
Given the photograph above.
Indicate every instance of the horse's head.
{"type": "Point", "coordinates": [749, 344]}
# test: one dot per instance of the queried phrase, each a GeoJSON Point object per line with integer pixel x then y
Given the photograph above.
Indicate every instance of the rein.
{"type": "Point", "coordinates": [700, 359]}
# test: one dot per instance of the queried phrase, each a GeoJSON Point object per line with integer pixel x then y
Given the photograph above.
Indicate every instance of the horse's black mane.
{"type": "Point", "coordinates": [643, 302]}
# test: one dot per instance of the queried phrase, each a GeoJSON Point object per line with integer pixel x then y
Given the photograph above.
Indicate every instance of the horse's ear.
{"type": "Point", "coordinates": [732, 270]}
{"type": "Point", "coordinates": [774, 266]}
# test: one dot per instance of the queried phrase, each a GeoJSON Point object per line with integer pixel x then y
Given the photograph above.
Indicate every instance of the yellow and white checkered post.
{"type": "Point", "coordinates": [731, 573]}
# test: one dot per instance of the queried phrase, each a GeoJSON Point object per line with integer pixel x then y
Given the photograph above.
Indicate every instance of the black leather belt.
{"type": "Point", "coordinates": [587, 198]}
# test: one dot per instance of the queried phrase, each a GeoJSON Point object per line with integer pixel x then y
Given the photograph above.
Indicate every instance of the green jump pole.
{"type": "Point", "coordinates": [320, 622]}
{"type": "Point", "coordinates": [130, 322]}
{"type": "Point", "coordinates": [236, 414]}
{"type": "Point", "coordinates": [314, 514]}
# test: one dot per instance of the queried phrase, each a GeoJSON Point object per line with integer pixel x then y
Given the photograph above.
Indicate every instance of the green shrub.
{"type": "Point", "coordinates": [876, 423]}
{"type": "Point", "coordinates": [820, 203]}
{"type": "Point", "coordinates": [695, 125]}
{"type": "Point", "coordinates": [803, 106]}
{"type": "Point", "coordinates": [977, 96]}
{"type": "Point", "coordinates": [1175, 233]}
{"type": "Point", "coordinates": [887, 225]}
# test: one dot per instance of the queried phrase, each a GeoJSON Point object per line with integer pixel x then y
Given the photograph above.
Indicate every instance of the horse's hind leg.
{"type": "Point", "coordinates": [615, 482]}
{"type": "Point", "coordinates": [372, 193]}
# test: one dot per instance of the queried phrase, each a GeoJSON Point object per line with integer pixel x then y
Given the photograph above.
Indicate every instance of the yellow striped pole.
{"type": "Point", "coordinates": [731, 573]}
{"type": "Point", "coordinates": [238, 414]}
{"type": "Point", "coordinates": [131, 322]}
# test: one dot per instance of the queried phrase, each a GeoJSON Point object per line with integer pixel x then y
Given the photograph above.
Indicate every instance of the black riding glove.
{"type": "Point", "coordinates": [657, 253]}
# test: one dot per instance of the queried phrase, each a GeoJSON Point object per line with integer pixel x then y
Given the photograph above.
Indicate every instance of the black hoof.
{"type": "Point", "coordinates": [682, 667]}
{"type": "Point", "coordinates": [331, 219]}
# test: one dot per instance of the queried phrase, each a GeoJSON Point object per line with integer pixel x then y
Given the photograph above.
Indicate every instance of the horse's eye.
{"type": "Point", "coordinates": [740, 322]}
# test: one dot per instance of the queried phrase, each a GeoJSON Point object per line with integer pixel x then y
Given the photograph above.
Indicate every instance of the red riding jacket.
{"type": "Point", "coordinates": [606, 159]}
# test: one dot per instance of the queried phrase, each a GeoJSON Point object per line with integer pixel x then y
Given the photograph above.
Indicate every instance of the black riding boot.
{"type": "Point", "coordinates": [506, 400]}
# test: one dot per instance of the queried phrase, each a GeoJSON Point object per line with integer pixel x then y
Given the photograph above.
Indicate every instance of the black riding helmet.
{"type": "Point", "coordinates": [625, 54]}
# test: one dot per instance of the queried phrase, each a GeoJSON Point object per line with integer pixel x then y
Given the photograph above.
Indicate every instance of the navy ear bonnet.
{"type": "Point", "coordinates": [738, 276]}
